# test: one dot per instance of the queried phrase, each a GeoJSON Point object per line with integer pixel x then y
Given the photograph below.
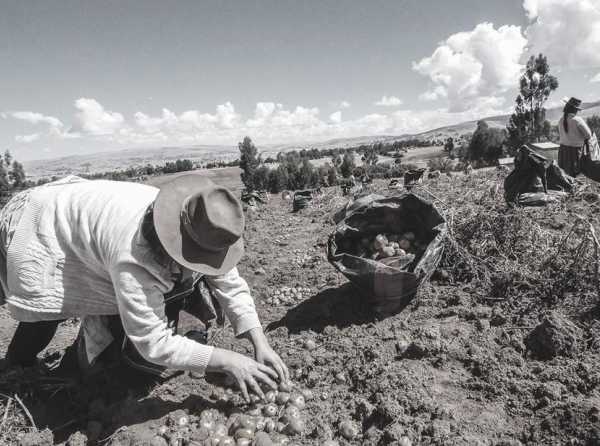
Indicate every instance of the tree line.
{"type": "Point", "coordinates": [294, 170]}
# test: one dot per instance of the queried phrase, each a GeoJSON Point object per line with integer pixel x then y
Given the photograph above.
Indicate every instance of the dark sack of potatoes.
{"type": "Point", "coordinates": [536, 180]}
{"type": "Point", "coordinates": [388, 247]}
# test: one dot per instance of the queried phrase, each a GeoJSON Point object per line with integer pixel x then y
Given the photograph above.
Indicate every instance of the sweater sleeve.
{"type": "Point", "coordinates": [233, 294]}
{"type": "Point", "coordinates": [141, 307]}
{"type": "Point", "coordinates": [584, 129]}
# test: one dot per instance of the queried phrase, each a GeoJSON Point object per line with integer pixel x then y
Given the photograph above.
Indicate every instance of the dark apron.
{"type": "Point", "coordinates": [192, 296]}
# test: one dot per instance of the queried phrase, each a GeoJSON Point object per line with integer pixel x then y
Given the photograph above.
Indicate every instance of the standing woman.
{"type": "Point", "coordinates": [574, 134]}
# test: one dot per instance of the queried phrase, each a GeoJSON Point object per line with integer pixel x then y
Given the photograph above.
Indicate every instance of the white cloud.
{"type": "Point", "coordinates": [34, 118]}
{"type": "Point", "coordinates": [336, 117]}
{"type": "Point", "coordinates": [484, 62]}
{"type": "Point", "coordinates": [565, 31]}
{"type": "Point", "coordinates": [270, 122]}
{"type": "Point", "coordinates": [434, 94]}
{"type": "Point", "coordinates": [184, 127]}
{"type": "Point", "coordinates": [344, 104]}
{"type": "Point", "coordinates": [263, 112]}
{"type": "Point", "coordinates": [596, 78]}
{"type": "Point", "coordinates": [93, 119]}
{"type": "Point", "coordinates": [389, 101]}
{"type": "Point", "coordinates": [25, 139]}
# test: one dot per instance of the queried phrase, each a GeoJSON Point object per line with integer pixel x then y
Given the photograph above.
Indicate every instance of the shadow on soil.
{"type": "Point", "coordinates": [339, 307]}
{"type": "Point", "coordinates": [117, 398]}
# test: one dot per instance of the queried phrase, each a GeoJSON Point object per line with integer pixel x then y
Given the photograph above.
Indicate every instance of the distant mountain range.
{"type": "Point", "coordinates": [105, 161]}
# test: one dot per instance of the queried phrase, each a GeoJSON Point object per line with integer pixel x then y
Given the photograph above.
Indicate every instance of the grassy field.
{"type": "Point", "coordinates": [225, 176]}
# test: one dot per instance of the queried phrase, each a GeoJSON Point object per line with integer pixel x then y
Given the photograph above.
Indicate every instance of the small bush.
{"type": "Point", "coordinates": [442, 164]}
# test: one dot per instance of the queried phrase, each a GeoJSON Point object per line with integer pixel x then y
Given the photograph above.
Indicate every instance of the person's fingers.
{"type": "Point", "coordinates": [243, 389]}
{"type": "Point", "coordinates": [279, 369]}
{"type": "Point", "coordinates": [265, 378]}
{"type": "Point", "coordinates": [255, 387]}
{"type": "Point", "coordinates": [268, 370]}
{"type": "Point", "coordinates": [285, 370]}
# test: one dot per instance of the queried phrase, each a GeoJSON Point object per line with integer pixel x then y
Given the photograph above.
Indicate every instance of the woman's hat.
{"type": "Point", "coordinates": [200, 224]}
{"type": "Point", "coordinates": [573, 102]}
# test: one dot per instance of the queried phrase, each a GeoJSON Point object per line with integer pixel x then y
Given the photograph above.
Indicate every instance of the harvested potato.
{"type": "Point", "coordinates": [282, 398]}
{"type": "Point", "coordinates": [270, 410]}
{"type": "Point", "coordinates": [388, 251]}
{"type": "Point", "coordinates": [400, 252]}
{"type": "Point", "coordinates": [404, 244]}
{"type": "Point", "coordinates": [348, 430]}
{"type": "Point", "coordinates": [380, 242]}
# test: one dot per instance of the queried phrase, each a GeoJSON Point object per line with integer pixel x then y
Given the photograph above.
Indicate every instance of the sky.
{"type": "Point", "coordinates": [86, 76]}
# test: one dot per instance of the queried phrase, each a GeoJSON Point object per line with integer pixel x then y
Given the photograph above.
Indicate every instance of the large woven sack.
{"type": "Point", "coordinates": [387, 284]}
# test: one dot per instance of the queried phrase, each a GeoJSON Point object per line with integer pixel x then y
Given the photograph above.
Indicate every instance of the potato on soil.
{"type": "Point", "coordinates": [244, 433]}
{"type": "Point", "coordinates": [271, 396]}
{"type": "Point", "coordinates": [262, 439]}
{"type": "Point", "coordinates": [225, 441]}
{"type": "Point", "coordinates": [270, 426]}
{"type": "Point", "coordinates": [297, 400]}
{"type": "Point", "coordinates": [310, 345]}
{"type": "Point", "coordinates": [308, 394]}
{"type": "Point", "coordinates": [348, 430]}
{"type": "Point", "coordinates": [404, 441]}
{"type": "Point", "coordinates": [220, 430]}
{"type": "Point", "coordinates": [282, 398]}
{"type": "Point", "coordinates": [285, 387]}
{"type": "Point", "coordinates": [270, 410]}
{"type": "Point", "coordinates": [295, 426]}
{"type": "Point", "coordinates": [340, 378]}
{"type": "Point", "coordinates": [289, 413]}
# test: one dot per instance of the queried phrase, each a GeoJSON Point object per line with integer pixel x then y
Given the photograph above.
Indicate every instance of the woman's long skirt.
{"type": "Point", "coordinates": [569, 159]}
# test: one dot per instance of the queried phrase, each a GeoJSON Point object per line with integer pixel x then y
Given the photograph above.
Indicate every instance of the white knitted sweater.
{"type": "Point", "coordinates": [578, 131]}
{"type": "Point", "coordinates": [78, 251]}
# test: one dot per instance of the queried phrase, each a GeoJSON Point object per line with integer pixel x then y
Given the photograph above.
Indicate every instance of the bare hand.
{"type": "Point", "coordinates": [246, 371]}
{"type": "Point", "coordinates": [266, 355]}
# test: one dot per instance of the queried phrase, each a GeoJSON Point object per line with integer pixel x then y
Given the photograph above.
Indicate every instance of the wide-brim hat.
{"type": "Point", "coordinates": [573, 102]}
{"type": "Point", "coordinates": [199, 224]}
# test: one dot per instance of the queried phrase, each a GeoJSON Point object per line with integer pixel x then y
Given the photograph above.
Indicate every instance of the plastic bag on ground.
{"type": "Point", "coordinates": [388, 283]}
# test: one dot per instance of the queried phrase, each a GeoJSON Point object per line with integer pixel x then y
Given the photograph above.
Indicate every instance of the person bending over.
{"type": "Point", "coordinates": [107, 251]}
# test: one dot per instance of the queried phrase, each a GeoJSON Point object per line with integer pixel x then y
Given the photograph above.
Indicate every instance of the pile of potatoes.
{"type": "Point", "coordinates": [389, 245]}
{"type": "Point", "coordinates": [272, 422]}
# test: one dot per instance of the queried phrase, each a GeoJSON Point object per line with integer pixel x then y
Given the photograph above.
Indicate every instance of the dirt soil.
{"type": "Point", "coordinates": [499, 348]}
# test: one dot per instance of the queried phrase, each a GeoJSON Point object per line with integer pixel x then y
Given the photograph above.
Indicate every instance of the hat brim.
{"type": "Point", "coordinates": [173, 236]}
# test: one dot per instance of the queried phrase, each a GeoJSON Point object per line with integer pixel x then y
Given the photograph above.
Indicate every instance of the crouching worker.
{"type": "Point", "coordinates": [111, 253]}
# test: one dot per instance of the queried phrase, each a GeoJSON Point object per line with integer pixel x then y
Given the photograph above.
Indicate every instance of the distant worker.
{"type": "Point", "coordinates": [574, 134]}
{"type": "Point", "coordinates": [108, 252]}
